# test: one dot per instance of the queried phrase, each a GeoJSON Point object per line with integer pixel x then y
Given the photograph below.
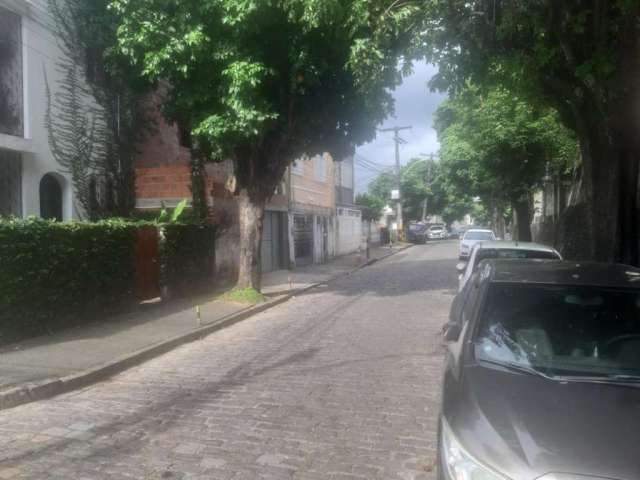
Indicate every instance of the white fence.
{"type": "Point", "coordinates": [349, 231]}
{"type": "Point", "coordinates": [371, 230]}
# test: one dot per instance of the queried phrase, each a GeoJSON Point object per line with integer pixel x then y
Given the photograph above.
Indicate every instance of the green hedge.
{"type": "Point", "coordinates": [56, 274]}
{"type": "Point", "coordinates": [52, 272]}
{"type": "Point", "coordinates": [187, 256]}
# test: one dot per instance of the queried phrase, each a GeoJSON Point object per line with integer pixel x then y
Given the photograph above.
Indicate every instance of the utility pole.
{"type": "Point", "coordinates": [398, 141]}
{"type": "Point", "coordinates": [427, 182]}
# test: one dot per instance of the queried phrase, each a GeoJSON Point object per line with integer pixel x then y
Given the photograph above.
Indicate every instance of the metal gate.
{"type": "Point", "coordinates": [273, 242]}
{"type": "Point", "coordinates": [147, 263]}
{"type": "Point", "coordinates": [303, 239]}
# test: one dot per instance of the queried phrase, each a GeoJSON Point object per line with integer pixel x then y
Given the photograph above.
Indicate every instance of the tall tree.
{"type": "Point", "coordinates": [263, 83]}
{"type": "Point", "coordinates": [371, 206]}
{"type": "Point", "coordinates": [496, 145]}
{"type": "Point", "coordinates": [420, 180]}
{"type": "Point", "coordinates": [580, 57]}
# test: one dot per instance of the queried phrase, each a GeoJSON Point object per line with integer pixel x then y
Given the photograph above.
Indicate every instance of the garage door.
{"type": "Point", "coordinates": [303, 238]}
{"type": "Point", "coordinates": [273, 242]}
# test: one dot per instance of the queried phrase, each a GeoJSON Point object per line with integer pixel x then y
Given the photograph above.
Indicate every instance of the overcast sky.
{"type": "Point", "coordinates": [415, 106]}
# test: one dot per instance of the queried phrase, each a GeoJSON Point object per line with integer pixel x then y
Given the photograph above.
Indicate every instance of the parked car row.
{"type": "Point", "coordinates": [542, 373]}
{"type": "Point", "coordinates": [419, 232]}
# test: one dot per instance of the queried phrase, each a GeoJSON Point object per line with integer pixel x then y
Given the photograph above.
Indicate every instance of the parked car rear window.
{"type": "Point", "coordinates": [486, 253]}
{"type": "Point", "coordinates": [478, 236]}
{"type": "Point", "coordinates": [562, 330]}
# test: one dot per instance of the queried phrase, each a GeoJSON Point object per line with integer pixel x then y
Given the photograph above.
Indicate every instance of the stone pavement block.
{"type": "Point", "coordinates": [8, 473]}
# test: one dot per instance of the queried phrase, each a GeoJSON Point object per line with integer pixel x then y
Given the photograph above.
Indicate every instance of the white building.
{"type": "Point", "coordinates": [348, 216]}
{"type": "Point", "coordinates": [31, 181]}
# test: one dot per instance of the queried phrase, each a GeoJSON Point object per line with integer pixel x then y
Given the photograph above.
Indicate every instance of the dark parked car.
{"type": "Point", "coordinates": [502, 249]}
{"type": "Point", "coordinates": [542, 377]}
{"type": "Point", "coordinates": [417, 232]}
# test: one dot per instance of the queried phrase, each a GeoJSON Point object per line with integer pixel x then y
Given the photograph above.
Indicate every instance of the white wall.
{"type": "Point", "coordinates": [370, 230]}
{"type": "Point", "coordinates": [40, 52]}
{"type": "Point", "coordinates": [319, 238]}
{"type": "Point", "coordinates": [348, 231]}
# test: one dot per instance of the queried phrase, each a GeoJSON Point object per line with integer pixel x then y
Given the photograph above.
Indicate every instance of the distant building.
{"type": "Point", "coordinates": [349, 234]}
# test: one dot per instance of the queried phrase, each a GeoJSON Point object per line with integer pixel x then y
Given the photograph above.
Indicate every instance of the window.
{"type": "Point", "coordinates": [479, 235]}
{"type": "Point", "coordinates": [50, 197]}
{"type": "Point", "coordinates": [319, 168]}
{"type": "Point", "coordinates": [562, 329]}
{"type": "Point", "coordinates": [10, 184]}
{"type": "Point", "coordinates": [11, 110]}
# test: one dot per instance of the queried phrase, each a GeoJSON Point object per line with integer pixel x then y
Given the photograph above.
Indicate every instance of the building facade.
{"type": "Point", "coordinates": [31, 181]}
{"type": "Point", "coordinates": [349, 234]}
{"type": "Point", "coordinates": [312, 210]}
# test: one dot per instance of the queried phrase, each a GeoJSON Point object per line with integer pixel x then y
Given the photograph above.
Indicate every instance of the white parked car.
{"type": "Point", "coordinates": [473, 236]}
{"type": "Point", "coordinates": [520, 250]}
{"type": "Point", "coordinates": [436, 232]}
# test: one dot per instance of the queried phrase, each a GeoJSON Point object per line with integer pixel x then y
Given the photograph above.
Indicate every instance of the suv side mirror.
{"type": "Point", "coordinates": [452, 332]}
{"type": "Point", "coordinates": [461, 267]}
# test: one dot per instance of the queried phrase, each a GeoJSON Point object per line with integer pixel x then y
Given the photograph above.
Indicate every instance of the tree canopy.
{"type": "Point", "coordinates": [581, 58]}
{"type": "Point", "coordinates": [263, 83]}
{"type": "Point", "coordinates": [420, 179]}
{"type": "Point", "coordinates": [495, 145]}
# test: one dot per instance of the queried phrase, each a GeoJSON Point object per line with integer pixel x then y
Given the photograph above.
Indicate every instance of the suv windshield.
{"type": "Point", "coordinates": [562, 330]}
{"type": "Point", "coordinates": [436, 229]}
{"type": "Point", "coordinates": [478, 236]}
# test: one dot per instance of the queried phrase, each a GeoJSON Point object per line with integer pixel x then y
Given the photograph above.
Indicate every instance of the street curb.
{"type": "Point", "coordinates": [48, 388]}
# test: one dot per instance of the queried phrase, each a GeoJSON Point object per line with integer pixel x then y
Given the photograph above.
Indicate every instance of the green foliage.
{"type": "Point", "coordinates": [371, 206]}
{"type": "Point", "coordinates": [420, 179]}
{"type": "Point", "coordinates": [53, 271]}
{"type": "Point", "coordinates": [243, 295]}
{"type": "Point", "coordinates": [57, 274]}
{"type": "Point", "coordinates": [264, 83]}
{"type": "Point", "coordinates": [495, 145]}
{"type": "Point", "coordinates": [187, 256]}
{"type": "Point", "coordinates": [175, 215]}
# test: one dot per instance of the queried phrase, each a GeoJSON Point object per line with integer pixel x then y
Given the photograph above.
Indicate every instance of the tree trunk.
{"type": "Point", "coordinates": [251, 216]}
{"type": "Point", "coordinates": [612, 168]}
{"type": "Point", "coordinates": [522, 209]}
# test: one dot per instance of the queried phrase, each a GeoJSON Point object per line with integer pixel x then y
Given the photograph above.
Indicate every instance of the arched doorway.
{"type": "Point", "coordinates": [51, 197]}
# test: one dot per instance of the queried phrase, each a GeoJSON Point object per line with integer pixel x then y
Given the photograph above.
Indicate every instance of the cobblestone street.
{"type": "Point", "coordinates": [339, 383]}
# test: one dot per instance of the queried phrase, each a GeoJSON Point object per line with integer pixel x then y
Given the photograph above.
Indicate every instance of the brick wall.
{"type": "Point", "coordinates": [162, 167]}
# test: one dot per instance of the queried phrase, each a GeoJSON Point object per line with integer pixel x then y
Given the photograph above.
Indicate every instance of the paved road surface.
{"type": "Point", "coordinates": [341, 383]}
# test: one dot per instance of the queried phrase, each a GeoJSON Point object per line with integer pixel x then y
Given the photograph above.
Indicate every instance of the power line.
{"type": "Point", "coordinates": [371, 168]}
{"type": "Point", "coordinates": [364, 161]}
{"type": "Point", "coordinates": [363, 158]}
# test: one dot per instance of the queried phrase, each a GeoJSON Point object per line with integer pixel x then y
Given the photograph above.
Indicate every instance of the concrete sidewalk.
{"type": "Point", "coordinates": [31, 369]}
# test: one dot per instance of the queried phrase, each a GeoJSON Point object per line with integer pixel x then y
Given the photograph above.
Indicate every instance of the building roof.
{"type": "Point", "coordinates": [503, 244]}
{"type": "Point", "coordinates": [565, 273]}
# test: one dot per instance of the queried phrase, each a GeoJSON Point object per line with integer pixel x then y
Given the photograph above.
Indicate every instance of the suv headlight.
{"type": "Point", "coordinates": [458, 463]}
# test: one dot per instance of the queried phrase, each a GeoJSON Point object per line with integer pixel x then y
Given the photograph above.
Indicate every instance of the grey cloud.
{"type": "Point", "coordinates": [415, 106]}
